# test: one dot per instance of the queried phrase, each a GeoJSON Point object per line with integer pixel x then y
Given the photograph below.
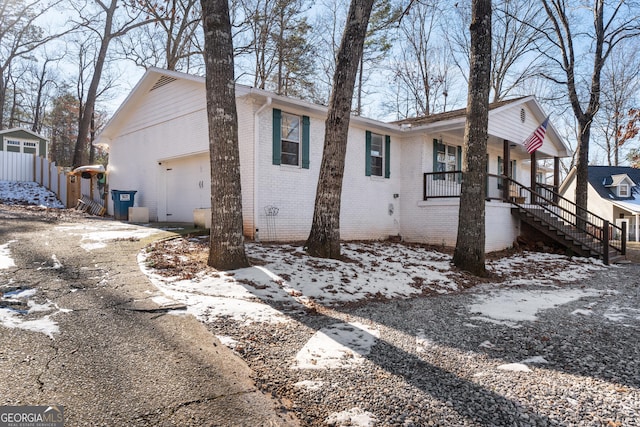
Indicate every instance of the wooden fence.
{"type": "Point", "coordinates": [29, 167]}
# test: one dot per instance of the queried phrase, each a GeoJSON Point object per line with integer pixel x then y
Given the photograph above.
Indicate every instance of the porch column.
{"type": "Point", "coordinates": [534, 172]}
{"type": "Point", "coordinates": [506, 169]}
{"type": "Point", "coordinates": [637, 228]}
{"type": "Point", "coordinates": [556, 177]}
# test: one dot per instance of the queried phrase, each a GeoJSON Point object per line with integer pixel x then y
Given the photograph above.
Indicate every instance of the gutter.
{"type": "Point", "coordinates": [256, 146]}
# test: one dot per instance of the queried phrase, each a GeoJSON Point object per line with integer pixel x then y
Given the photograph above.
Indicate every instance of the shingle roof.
{"type": "Point", "coordinates": [601, 179]}
{"type": "Point", "coordinates": [432, 118]}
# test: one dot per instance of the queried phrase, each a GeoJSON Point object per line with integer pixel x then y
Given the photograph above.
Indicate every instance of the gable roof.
{"type": "Point", "coordinates": [22, 131]}
{"type": "Point", "coordinates": [605, 179]}
{"type": "Point", "coordinates": [453, 114]}
{"type": "Point", "coordinates": [618, 179]}
{"type": "Point", "coordinates": [157, 77]}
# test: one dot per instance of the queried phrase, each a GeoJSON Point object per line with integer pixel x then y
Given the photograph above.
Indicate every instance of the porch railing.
{"type": "Point", "coordinates": [544, 203]}
{"type": "Point", "coordinates": [447, 185]}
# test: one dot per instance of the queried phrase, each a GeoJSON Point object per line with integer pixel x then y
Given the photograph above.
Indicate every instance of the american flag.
{"type": "Point", "coordinates": [536, 138]}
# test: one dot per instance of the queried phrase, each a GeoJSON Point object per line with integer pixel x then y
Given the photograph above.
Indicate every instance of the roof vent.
{"type": "Point", "coordinates": [523, 115]}
{"type": "Point", "coordinates": [163, 80]}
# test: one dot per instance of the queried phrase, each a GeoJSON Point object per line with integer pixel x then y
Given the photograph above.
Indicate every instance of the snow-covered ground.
{"type": "Point", "coordinates": [285, 280]}
{"type": "Point", "coordinates": [27, 193]}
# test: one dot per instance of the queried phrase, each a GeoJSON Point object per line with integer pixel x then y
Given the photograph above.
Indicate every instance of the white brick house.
{"type": "Point", "coordinates": [158, 146]}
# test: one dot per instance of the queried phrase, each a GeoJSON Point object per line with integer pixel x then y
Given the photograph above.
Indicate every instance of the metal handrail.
{"type": "Point", "coordinates": [589, 229]}
{"type": "Point", "coordinates": [545, 203]}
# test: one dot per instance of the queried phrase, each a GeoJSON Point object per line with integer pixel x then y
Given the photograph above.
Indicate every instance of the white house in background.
{"type": "Point", "coordinates": [158, 146]}
{"type": "Point", "coordinates": [613, 194]}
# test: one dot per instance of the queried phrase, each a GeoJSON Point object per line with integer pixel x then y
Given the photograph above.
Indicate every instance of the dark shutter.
{"type": "Point", "coordinates": [305, 142]}
{"type": "Point", "coordinates": [387, 156]}
{"type": "Point", "coordinates": [367, 154]}
{"type": "Point", "coordinates": [436, 147]}
{"type": "Point", "coordinates": [277, 136]}
{"type": "Point", "coordinates": [459, 165]}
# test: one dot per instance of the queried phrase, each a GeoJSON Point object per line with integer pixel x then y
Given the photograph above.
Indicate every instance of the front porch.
{"type": "Point", "coordinates": [541, 207]}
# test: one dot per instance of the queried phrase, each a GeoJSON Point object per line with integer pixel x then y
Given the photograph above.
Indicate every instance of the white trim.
{"type": "Point", "coordinates": [21, 143]}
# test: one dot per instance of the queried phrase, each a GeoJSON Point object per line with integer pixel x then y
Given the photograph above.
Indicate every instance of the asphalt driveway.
{"type": "Point", "coordinates": [82, 327]}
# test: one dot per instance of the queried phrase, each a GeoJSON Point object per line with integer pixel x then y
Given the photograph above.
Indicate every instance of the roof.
{"type": "Point", "coordinates": [436, 123]}
{"type": "Point", "coordinates": [453, 114]}
{"type": "Point", "coordinates": [22, 130]}
{"type": "Point", "coordinates": [604, 180]}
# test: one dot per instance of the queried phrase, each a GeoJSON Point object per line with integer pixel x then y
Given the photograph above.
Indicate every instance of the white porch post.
{"type": "Point", "coordinates": [637, 228]}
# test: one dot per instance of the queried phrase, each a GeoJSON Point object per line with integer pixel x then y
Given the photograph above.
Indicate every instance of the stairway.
{"type": "Point", "coordinates": [579, 242]}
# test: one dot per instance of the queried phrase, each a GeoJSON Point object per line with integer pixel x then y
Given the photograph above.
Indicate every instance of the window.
{"type": "Point", "coordinates": [21, 146]}
{"type": "Point", "coordinates": [623, 190]}
{"type": "Point", "coordinates": [377, 155]}
{"type": "Point", "coordinates": [446, 158]}
{"type": "Point", "coordinates": [290, 139]}
{"type": "Point", "coordinates": [290, 151]}
{"type": "Point", "coordinates": [512, 170]}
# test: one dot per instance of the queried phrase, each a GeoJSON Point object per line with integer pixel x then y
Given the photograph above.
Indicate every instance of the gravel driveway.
{"type": "Point", "coordinates": [440, 360]}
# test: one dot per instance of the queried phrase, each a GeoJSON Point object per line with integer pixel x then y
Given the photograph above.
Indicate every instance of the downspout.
{"type": "Point", "coordinates": [256, 151]}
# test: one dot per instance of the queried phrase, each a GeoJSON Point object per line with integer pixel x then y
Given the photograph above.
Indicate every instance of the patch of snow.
{"type": "Point", "coordinates": [487, 344]}
{"type": "Point", "coordinates": [11, 318]}
{"type": "Point", "coordinates": [5, 256]}
{"type": "Point", "coordinates": [30, 193]}
{"type": "Point", "coordinates": [535, 359]}
{"type": "Point", "coordinates": [619, 314]}
{"type": "Point", "coordinates": [581, 312]}
{"type": "Point", "coordinates": [341, 345]}
{"type": "Point", "coordinates": [97, 236]}
{"type": "Point", "coordinates": [227, 341]}
{"type": "Point", "coordinates": [514, 367]}
{"type": "Point", "coordinates": [354, 417]}
{"type": "Point", "coordinates": [517, 305]}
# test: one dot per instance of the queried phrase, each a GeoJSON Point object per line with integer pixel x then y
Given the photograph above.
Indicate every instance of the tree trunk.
{"type": "Point", "coordinates": [582, 170]}
{"type": "Point", "coordinates": [80, 152]}
{"type": "Point", "coordinates": [226, 251]}
{"type": "Point", "coordinates": [324, 238]}
{"type": "Point", "coordinates": [469, 253]}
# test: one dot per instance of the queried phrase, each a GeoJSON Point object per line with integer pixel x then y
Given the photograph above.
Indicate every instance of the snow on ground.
{"type": "Point", "coordinates": [517, 305]}
{"type": "Point", "coordinates": [18, 309]}
{"type": "Point", "coordinates": [29, 193]}
{"type": "Point", "coordinates": [285, 279]}
{"type": "Point", "coordinates": [99, 234]}
{"type": "Point", "coordinates": [341, 345]}
{"type": "Point", "coordinates": [5, 256]}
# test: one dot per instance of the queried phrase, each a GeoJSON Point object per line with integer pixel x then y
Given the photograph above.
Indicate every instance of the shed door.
{"type": "Point", "coordinates": [187, 187]}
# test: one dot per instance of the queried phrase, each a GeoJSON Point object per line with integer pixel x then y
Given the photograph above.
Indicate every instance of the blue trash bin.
{"type": "Point", "coordinates": [122, 201]}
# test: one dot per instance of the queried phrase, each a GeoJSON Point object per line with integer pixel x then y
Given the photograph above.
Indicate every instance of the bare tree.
{"type": "Point", "coordinates": [226, 250]}
{"type": "Point", "coordinates": [329, 24]}
{"type": "Point", "coordinates": [107, 21]}
{"type": "Point", "coordinates": [43, 78]}
{"type": "Point", "coordinates": [420, 66]}
{"type": "Point", "coordinates": [324, 238]}
{"type": "Point", "coordinates": [19, 36]}
{"type": "Point", "coordinates": [612, 22]}
{"type": "Point", "coordinates": [621, 82]}
{"type": "Point", "coordinates": [469, 253]}
{"type": "Point", "coordinates": [172, 42]}
{"type": "Point", "coordinates": [516, 44]}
